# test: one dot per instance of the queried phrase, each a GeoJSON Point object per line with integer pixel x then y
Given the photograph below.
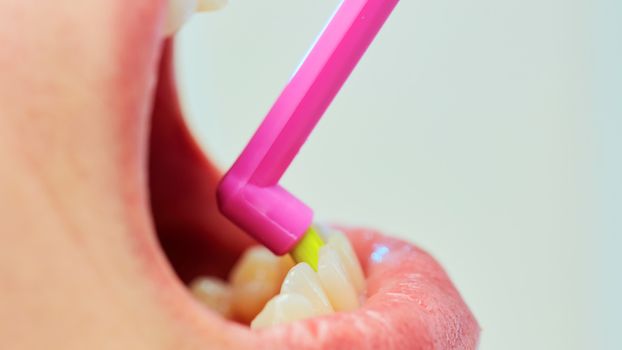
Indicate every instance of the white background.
{"type": "Point", "coordinates": [485, 131]}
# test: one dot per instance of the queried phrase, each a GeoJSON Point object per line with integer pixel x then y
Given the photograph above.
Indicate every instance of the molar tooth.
{"type": "Point", "coordinates": [256, 278]}
{"type": "Point", "coordinates": [213, 293]}
{"type": "Point", "coordinates": [284, 308]}
{"type": "Point", "coordinates": [335, 280]}
{"type": "Point", "coordinates": [301, 279]}
{"type": "Point", "coordinates": [285, 264]}
{"type": "Point", "coordinates": [342, 246]}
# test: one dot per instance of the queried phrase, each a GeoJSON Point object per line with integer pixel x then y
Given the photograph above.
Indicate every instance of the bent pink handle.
{"type": "Point", "coordinates": [249, 194]}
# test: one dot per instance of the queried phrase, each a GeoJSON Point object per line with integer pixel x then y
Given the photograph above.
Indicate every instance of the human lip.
{"type": "Point", "coordinates": [411, 302]}
{"type": "Point", "coordinates": [113, 83]}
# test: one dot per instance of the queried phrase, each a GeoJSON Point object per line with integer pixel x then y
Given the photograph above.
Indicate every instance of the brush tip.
{"type": "Point", "coordinates": [308, 248]}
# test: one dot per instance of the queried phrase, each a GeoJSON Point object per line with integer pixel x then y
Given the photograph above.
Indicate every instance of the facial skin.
{"type": "Point", "coordinates": [87, 107]}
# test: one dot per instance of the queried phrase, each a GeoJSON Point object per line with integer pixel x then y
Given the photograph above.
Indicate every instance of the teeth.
{"type": "Point", "coordinates": [341, 245]}
{"type": "Point", "coordinates": [179, 11]}
{"type": "Point", "coordinates": [286, 263]}
{"type": "Point", "coordinates": [284, 308]}
{"type": "Point", "coordinates": [324, 230]}
{"type": "Point", "coordinates": [255, 279]}
{"type": "Point", "coordinates": [334, 278]}
{"type": "Point", "coordinates": [253, 289]}
{"type": "Point", "coordinates": [213, 293]}
{"type": "Point", "coordinates": [302, 280]}
{"type": "Point", "coordinates": [211, 5]}
{"type": "Point", "coordinates": [304, 293]}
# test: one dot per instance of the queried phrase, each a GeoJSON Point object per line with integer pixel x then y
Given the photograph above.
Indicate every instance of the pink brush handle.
{"type": "Point", "coordinates": [249, 194]}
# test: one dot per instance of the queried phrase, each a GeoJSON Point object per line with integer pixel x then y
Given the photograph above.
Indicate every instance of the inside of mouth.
{"type": "Point", "coordinates": [224, 269]}
{"type": "Point", "coordinates": [265, 290]}
{"type": "Point", "coordinates": [256, 287]}
{"type": "Point", "coordinates": [261, 289]}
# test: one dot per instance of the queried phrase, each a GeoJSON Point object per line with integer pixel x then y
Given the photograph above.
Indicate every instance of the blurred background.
{"type": "Point", "coordinates": [487, 132]}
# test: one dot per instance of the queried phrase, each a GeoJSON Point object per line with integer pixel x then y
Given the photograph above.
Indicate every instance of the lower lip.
{"type": "Point", "coordinates": [411, 301]}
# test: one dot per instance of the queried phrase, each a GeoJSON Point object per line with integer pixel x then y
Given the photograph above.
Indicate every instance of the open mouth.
{"type": "Point", "coordinates": [106, 139]}
{"type": "Point", "coordinates": [410, 302]}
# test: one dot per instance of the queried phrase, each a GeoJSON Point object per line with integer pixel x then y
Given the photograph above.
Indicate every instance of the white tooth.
{"type": "Point", "coordinates": [213, 293]}
{"type": "Point", "coordinates": [211, 5]}
{"type": "Point", "coordinates": [255, 278]}
{"type": "Point", "coordinates": [324, 230]}
{"type": "Point", "coordinates": [335, 280]}
{"type": "Point", "coordinates": [342, 245]}
{"type": "Point", "coordinates": [284, 308]}
{"type": "Point", "coordinates": [301, 279]}
{"type": "Point", "coordinates": [178, 13]}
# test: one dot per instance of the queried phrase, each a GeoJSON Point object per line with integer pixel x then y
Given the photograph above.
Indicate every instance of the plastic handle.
{"type": "Point", "coordinates": [249, 194]}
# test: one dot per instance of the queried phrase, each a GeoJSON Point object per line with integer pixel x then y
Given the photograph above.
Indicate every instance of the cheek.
{"type": "Point", "coordinates": [86, 65]}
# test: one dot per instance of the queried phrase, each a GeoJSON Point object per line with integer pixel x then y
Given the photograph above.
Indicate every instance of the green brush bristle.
{"type": "Point", "coordinates": [308, 249]}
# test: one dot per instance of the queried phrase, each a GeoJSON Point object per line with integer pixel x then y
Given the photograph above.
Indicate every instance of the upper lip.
{"type": "Point", "coordinates": [124, 73]}
{"type": "Point", "coordinates": [411, 304]}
